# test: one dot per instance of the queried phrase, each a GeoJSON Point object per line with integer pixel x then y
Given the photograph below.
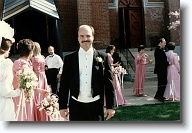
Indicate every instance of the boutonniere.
{"type": "Point", "coordinates": [99, 59]}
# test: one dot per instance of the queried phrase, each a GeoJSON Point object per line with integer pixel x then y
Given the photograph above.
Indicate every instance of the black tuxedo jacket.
{"type": "Point", "coordinates": [101, 83]}
{"type": "Point", "coordinates": [161, 62]}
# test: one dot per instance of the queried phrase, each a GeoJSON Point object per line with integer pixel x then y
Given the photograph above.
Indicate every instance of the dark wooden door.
{"type": "Point", "coordinates": [131, 23]}
{"type": "Point", "coordinates": [135, 24]}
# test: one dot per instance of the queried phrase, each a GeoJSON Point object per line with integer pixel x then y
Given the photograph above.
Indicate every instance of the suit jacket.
{"type": "Point", "coordinates": [101, 83]}
{"type": "Point", "coordinates": [161, 62]}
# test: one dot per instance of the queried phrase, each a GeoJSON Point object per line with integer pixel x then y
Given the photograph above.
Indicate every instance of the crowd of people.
{"type": "Point", "coordinates": [90, 80]}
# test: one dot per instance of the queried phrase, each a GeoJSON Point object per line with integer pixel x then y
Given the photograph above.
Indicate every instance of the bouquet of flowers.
{"type": "Point", "coordinates": [119, 70]}
{"type": "Point", "coordinates": [49, 104]}
{"type": "Point", "coordinates": [27, 81]}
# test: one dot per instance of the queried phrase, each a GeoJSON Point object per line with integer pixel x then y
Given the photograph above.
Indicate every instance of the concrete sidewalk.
{"type": "Point", "coordinates": [150, 88]}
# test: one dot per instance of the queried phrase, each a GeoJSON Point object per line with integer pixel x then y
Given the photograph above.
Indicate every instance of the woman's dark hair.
{"type": "Point", "coordinates": [109, 48]}
{"type": "Point", "coordinates": [171, 46]}
{"type": "Point", "coordinates": [141, 47]}
{"type": "Point", "coordinates": [25, 46]}
{"type": "Point", "coordinates": [5, 45]}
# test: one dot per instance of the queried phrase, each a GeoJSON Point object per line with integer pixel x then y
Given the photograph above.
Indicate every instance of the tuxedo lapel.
{"type": "Point", "coordinates": [95, 65]}
{"type": "Point", "coordinates": [76, 67]}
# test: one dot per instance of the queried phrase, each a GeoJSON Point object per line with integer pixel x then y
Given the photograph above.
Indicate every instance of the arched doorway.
{"type": "Point", "coordinates": [131, 23]}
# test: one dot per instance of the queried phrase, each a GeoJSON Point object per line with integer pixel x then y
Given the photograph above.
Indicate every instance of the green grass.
{"type": "Point", "coordinates": [169, 111]}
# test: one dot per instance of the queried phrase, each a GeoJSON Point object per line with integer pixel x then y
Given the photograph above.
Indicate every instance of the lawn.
{"type": "Point", "coordinates": [168, 111]}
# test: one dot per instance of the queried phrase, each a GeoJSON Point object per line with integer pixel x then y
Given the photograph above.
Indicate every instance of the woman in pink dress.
{"type": "Point", "coordinates": [38, 62]}
{"type": "Point", "coordinates": [25, 111]}
{"type": "Point", "coordinates": [120, 99]}
{"type": "Point", "coordinates": [173, 74]}
{"type": "Point", "coordinates": [140, 63]}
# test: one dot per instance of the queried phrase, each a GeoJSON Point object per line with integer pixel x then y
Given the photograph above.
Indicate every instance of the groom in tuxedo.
{"type": "Point", "coordinates": [161, 65]}
{"type": "Point", "coordinates": [86, 78]}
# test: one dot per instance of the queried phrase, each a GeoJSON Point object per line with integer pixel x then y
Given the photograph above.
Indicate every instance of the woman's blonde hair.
{"type": "Point", "coordinates": [37, 49]}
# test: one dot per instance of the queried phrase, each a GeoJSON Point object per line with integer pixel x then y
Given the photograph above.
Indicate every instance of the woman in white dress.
{"type": "Point", "coordinates": [7, 111]}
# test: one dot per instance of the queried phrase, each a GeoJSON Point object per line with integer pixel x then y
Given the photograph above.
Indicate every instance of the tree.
{"type": "Point", "coordinates": [173, 25]}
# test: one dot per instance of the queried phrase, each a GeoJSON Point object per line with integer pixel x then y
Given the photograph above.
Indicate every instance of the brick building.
{"type": "Point", "coordinates": [125, 23]}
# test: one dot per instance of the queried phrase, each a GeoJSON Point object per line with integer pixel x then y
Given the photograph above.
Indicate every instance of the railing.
{"type": "Point", "coordinates": [129, 57]}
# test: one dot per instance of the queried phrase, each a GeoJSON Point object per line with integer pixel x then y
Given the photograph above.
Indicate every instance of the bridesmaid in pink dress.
{"type": "Point", "coordinates": [120, 99]}
{"type": "Point", "coordinates": [25, 48]}
{"type": "Point", "coordinates": [38, 62]}
{"type": "Point", "coordinates": [24, 112]}
{"type": "Point", "coordinates": [173, 73]}
{"type": "Point", "coordinates": [140, 63]}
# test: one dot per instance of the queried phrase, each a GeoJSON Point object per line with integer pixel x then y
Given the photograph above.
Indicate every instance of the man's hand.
{"type": "Point", "coordinates": [58, 76]}
{"type": "Point", "coordinates": [109, 113]}
{"type": "Point", "coordinates": [65, 114]}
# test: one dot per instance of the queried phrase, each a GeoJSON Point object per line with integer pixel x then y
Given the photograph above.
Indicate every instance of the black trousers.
{"type": "Point", "coordinates": [51, 75]}
{"type": "Point", "coordinates": [162, 82]}
{"type": "Point", "coordinates": [79, 111]}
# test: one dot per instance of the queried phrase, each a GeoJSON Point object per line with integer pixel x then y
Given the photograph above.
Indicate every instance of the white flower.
{"type": "Point", "coordinates": [176, 23]}
{"type": "Point", "coordinates": [99, 59]}
{"type": "Point", "coordinates": [27, 81]}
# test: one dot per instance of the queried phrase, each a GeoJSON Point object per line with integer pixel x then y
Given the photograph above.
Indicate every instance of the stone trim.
{"type": "Point", "coordinates": [153, 4]}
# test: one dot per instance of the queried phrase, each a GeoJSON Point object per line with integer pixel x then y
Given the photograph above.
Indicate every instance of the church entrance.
{"type": "Point", "coordinates": [131, 23]}
{"type": "Point", "coordinates": [35, 20]}
{"type": "Point", "coordinates": [35, 26]}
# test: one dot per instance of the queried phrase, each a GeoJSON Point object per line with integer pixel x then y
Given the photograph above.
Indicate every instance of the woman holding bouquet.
{"type": "Point", "coordinates": [24, 112]}
{"type": "Point", "coordinates": [120, 99]}
{"type": "Point", "coordinates": [38, 62]}
{"type": "Point", "coordinates": [25, 109]}
{"type": "Point", "coordinates": [7, 112]}
{"type": "Point", "coordinates": [140, 63]}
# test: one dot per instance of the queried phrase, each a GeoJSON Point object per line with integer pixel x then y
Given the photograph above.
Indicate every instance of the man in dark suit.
{"type": "Point", "coordinates": [87, 76]}
{"type": "Point", "coordinates": [161, 64]}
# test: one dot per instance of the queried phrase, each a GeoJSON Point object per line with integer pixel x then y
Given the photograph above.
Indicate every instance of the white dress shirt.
{"type": "Point", "coordinates": [85, 76]}
{"type": "Point", "coordinates": [54, 61]}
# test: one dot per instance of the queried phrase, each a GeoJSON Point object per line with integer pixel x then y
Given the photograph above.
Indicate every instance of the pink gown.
{"type": "Point", "coordinates": [39, 69]}
{"type": "Point", "coordinates": [139, 75]}
{"type": "Point", "coordinates": [120, 99]}
{"type": "Point", "coordinates": [30, 107]}
{"type": "Point", "coordinates": [173, 76]}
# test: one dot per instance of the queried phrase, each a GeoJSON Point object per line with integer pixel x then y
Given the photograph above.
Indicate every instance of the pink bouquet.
{"type": "Point", "coordinates": [49, 104]}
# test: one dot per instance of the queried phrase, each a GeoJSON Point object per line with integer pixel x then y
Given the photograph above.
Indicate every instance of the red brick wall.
{"type": "Point", "coordinates": [67, 10]}
{"type": "Point", "coordinates": [157, 20]}
{"type": "Point", "coordinates": [96, 14]}
{"type": "Point", "coordinates": [114, 24]}
{"type": "Point", "coordinates": [1, 8]}
{"type": "Point", "coordinates": [174, 5]}
{"type": "Point", "coordinates": [154, 23]}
